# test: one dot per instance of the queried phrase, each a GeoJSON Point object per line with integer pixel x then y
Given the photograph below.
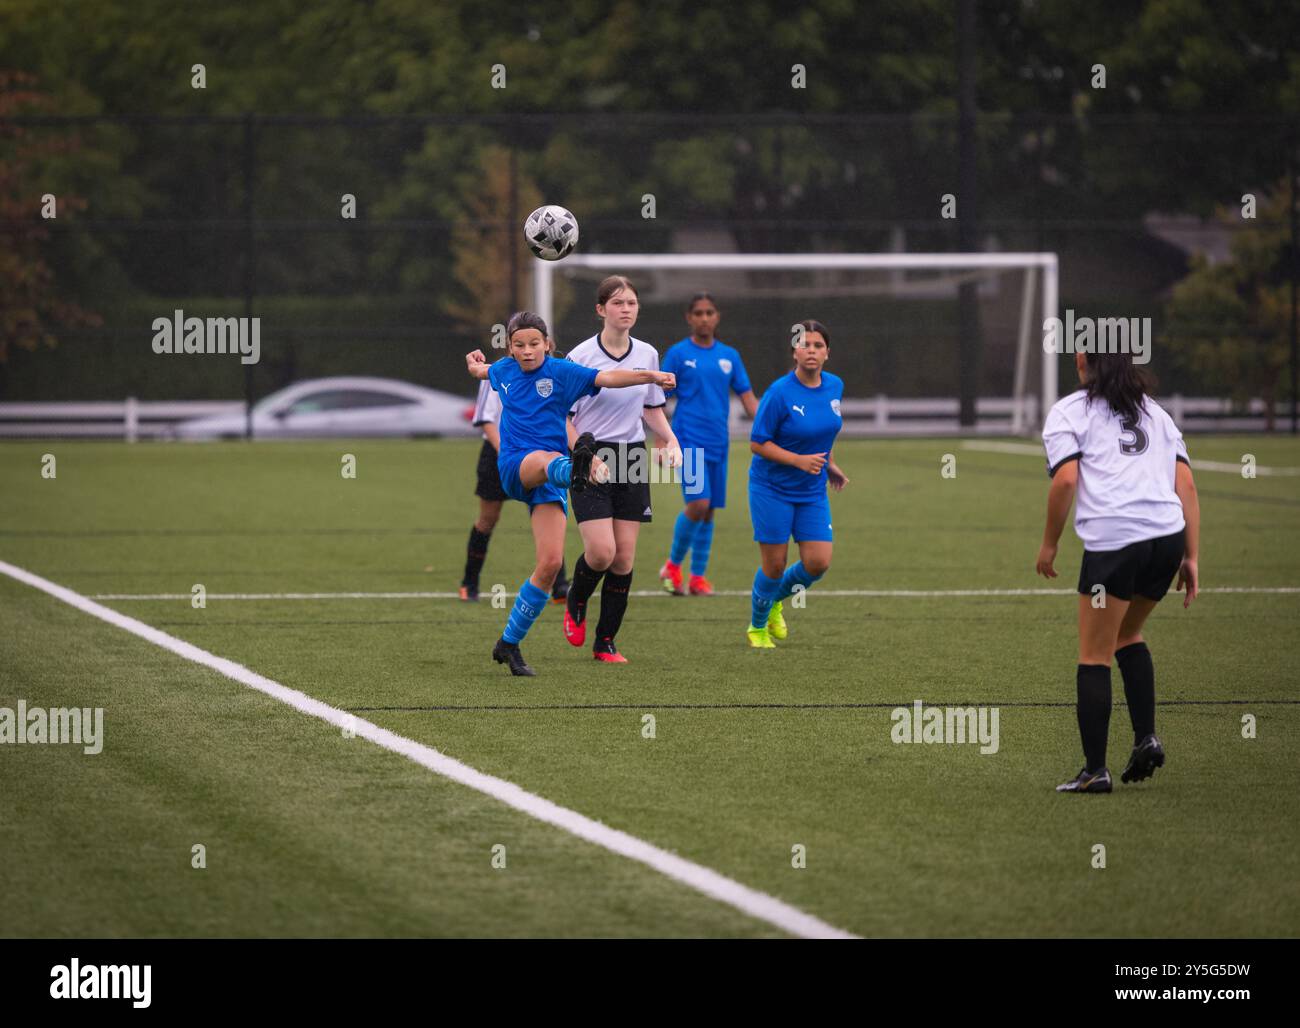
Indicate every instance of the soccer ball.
{"type": "Point", "coordinates": [551, 232]}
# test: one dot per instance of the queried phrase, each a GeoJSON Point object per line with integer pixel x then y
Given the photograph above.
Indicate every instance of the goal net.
{"type": "Point", "coordinates": [893, 318]}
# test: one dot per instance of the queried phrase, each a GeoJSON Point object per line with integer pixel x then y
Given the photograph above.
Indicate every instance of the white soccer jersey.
{"type": "Point", "coordinates": [1126, 470]}
{"type": "Point", "coordinates": [488, 405]}
{"type": "Point", "coordinates": [614, 415]}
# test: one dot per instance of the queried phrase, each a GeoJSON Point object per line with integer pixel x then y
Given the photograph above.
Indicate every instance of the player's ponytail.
{"type": "Point", "coordinates": [1116, 379]}
{"type": "Point", "coordinates": [526, 319]}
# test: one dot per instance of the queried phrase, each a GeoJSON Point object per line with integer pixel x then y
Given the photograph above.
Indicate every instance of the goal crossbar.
{"type": "Point", "coordinates": [1031, 263]}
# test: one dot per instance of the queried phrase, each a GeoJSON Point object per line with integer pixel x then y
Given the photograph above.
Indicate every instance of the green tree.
{"type": "Point", "coordinates": [1230, 322]}
{"type": "Point", "coordinates": [31, 305]}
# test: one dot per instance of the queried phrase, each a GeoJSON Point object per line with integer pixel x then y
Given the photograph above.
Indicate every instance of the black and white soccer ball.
{"type": "Point", "coordinates": [551, 232]}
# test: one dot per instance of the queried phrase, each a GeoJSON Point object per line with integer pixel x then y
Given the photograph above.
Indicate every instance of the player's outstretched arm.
{"type": "Point", "coordinates": [624, 379]}
{"type": "Point", "coordinates": [477, 364]}
{"type": "Point", "coordinates": [1060, 496]}
{"type": "Point", "coordinates": [1189, 576]}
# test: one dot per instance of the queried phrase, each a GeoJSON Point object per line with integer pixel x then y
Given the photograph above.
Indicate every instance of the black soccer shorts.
{"type": "Point", "coordinates": [1146, 568]}
{"type": "Point", "coordinates": [489, 478]}
{"type": "Point", "coordinates": [618, 498]}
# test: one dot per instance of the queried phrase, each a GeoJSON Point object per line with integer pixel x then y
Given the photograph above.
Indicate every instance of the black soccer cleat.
{"type": "Point", "coordinates": [508, 653]}
{"type": "Point", "coordinates": [1147, 756]}
{"type": "Point", "coordinates": [560, 591]}
{"type": "Point", "coordinates": [584, 451]}
{"type": "Point", "coordinates": [469, 593]}
{"type": "Point", "coordinates": [1088, 781]}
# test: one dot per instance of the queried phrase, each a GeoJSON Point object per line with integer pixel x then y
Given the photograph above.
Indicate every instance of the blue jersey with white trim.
{"type": "Point", "coordinates": [706, 378]}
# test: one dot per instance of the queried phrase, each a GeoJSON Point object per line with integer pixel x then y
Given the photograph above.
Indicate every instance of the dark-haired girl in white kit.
{"type": "Point", "coordinates": [1139, 518]}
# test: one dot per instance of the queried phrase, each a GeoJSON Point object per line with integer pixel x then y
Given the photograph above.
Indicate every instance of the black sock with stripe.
{"type": "Point", "coordinates": [613, 604]}
{"type": "Point", "coordinates": [1093, 690]}
{"type": "Point", "coordinates": [583, 585]}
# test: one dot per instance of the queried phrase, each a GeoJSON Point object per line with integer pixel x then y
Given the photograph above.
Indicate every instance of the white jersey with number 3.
{"type": "Point", "coordinates": [1126, 469]}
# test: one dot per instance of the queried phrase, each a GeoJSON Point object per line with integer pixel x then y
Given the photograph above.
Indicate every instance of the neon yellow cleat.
{"type": "Point", "coordinates": [776, 622]}
{"type": "Point", "coordinates": [759, 639]}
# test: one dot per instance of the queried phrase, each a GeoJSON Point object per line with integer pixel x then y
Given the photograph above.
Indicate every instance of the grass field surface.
{"type": "Point", "coordinates": [310, 832]}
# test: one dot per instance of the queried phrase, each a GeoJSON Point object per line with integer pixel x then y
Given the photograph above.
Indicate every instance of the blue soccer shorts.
{"type": "Point", "coordinates": [776, 519]}
{"type": "Point", "coordinates": [508, 467]}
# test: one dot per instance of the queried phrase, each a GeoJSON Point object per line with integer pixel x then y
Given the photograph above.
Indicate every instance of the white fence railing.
{"type": "Point", "coordinates": [128, 419]}
{"type": "Point", "coordinates": [880, 415]}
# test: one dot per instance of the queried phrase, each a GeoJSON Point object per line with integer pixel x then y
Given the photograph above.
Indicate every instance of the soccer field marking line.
{"type": "Point", "coordinates": [660, 594]}
{"type": "Point", "coordinates": [1044, 704]}
{"type": "Point", "coordinates": [758, 905]}
{"type": "Point", "coordinates": [1197, 465]}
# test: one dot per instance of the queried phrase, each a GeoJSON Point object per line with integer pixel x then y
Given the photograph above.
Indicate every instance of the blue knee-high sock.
{"type": "Point", "coordinates": [530, 602]}
{"type": "Point", "coordinates": [762, 598]}
{"type": "Point", "coordinates": [701, 547]}
{"type": "Point", "coordinates": [560, 473]}
{"type": "Point", "coordinates": [795, 575]}
{"type": "Point", "coordinates": [683, 535]}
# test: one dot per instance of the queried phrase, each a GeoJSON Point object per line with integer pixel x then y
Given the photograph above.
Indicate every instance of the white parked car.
{"type": "Point", "coordinates": [343, 407]}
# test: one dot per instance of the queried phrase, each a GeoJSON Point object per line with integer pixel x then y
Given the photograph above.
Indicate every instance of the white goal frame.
{"type": "Point", "coordinates": [544, 272]}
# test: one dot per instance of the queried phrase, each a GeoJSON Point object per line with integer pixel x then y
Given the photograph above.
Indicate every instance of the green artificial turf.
{"type": "Point", "coordinates": [310, 833]}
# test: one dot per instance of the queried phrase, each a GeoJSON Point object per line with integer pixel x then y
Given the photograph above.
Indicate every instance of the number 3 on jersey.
{"type": "Point", "coordinates": [1138, 444]}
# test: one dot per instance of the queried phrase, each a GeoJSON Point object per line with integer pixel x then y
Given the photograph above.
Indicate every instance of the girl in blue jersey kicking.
{"type": "Point", "coordinates": [794, 432]}
{"type": "Point", "coordinates": [708, 371]}
{"type": "Point", "coordinates": [536, 393]}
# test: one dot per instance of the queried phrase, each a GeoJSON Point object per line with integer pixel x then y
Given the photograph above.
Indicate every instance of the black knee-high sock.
{"type": "Point", "coordinates": [562, 576]}
{"type": "Point", "coordinates": [613, 604]}
{"type": "Point", "coordinates": [1093, 687]}
{"type": "Point", "coordinates": [475, 554]}
{"type": "Point", "coordinates": [1139, 688]}
{"type": "Point", "coordinates": [584, 584]}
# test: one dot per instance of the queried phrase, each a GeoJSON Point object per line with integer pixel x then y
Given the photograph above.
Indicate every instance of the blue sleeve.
{"type": "Point", "coordinates": [670, 360]}
{"type": "Point", "coordinates": [579, 381]}
{"type": "Point", "coordinates": [739, 376]}
{"type": "Point", "coordinates": [767, 421]}
{"type": "Point", "coordinates": [494, 378]}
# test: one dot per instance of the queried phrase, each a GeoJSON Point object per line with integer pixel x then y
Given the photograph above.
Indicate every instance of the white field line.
{"type": "Point", "coordinates": [1197, 465]}
{"type": "Point", "coordinates": [657, 593]}
{"type": "Point", "coordinates": [749, 901]}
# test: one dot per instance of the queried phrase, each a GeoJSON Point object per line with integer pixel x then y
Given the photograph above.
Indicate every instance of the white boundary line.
{"type": "Point", "coordinates": [658, 593]}
{"type": "Point", "coordinates": [1197, 465]}
{"type": "Point", "coordinates": [749, 901]}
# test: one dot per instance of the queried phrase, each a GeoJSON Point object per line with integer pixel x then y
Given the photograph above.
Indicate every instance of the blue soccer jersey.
{"type": "Point", "coordinates": [534, 404]}
{"type": "Point", "coordinates": [800, 420]}
{"type": "Point", "coordinates": [706, 378]}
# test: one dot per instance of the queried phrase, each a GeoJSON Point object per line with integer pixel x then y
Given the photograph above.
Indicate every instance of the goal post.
{"type": "Point", "coordinates": [1038, 301]}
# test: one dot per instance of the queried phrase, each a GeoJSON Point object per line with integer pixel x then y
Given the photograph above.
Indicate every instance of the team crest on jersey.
{"type": "Point", "coordinates": [835, 407]}
{"type": "Point", "coordinates": [725, 365]}
{"type": "Point", "coordinates": [544, 387]}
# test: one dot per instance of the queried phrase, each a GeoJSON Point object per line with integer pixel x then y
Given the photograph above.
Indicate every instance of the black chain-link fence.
{"type": "Point", "coordinates": [234, 216]}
